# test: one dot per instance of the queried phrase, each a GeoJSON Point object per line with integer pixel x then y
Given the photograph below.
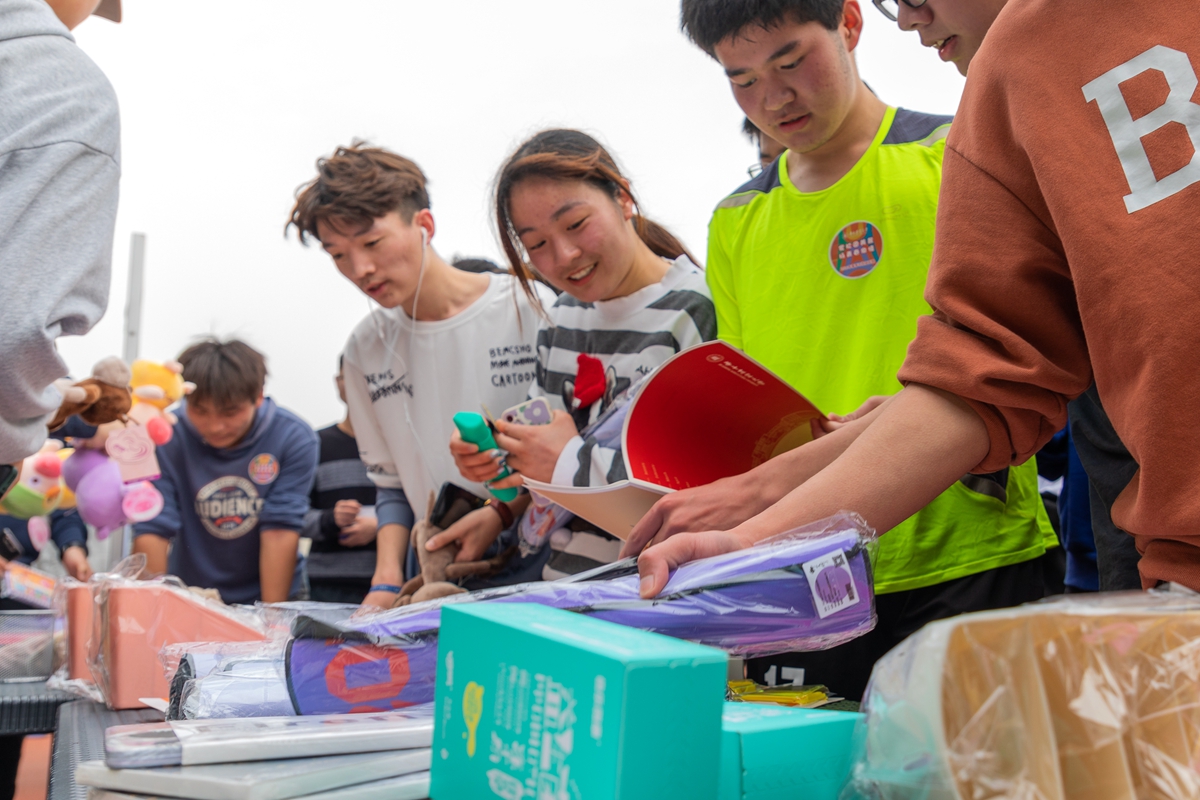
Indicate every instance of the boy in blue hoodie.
{"type": "Point", "coordinates": [235, 482]}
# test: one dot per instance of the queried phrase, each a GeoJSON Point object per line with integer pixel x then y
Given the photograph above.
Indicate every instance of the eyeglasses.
{"type": "Point", "coordinates": [891, 8]}
{"type": "Point", "coordinates": [754, 170]}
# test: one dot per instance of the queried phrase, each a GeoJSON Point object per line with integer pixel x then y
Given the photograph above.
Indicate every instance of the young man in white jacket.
{"type": "Point", "coordinates": [443, 341]}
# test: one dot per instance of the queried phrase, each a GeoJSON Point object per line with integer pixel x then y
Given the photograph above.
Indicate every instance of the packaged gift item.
{"type": "Point", "coordinates": [249, 682]}
{"type": "Point", "coordinates": [80, 604]}
{"type": "Point", "coordinates": [806, 590]}
{"type": "Point", "coordinates": [135, 619]}
{"type": "Point", "coordinates": [225, 741]}
{"type": "Point", "coordinates": [1088, 697]}
{"type": "Point", "coordinates": [26, 645]}
{"type": "Point", "coordinates": [414, 786]}
{"type": "Point", "coordinates": [774, 753]}
{"type": "Point", "coordinates": [27, 585]}
{"type": "Point", "coordinates": [257, 780]}
{"type": "Point", "coordinates": [538, 702]}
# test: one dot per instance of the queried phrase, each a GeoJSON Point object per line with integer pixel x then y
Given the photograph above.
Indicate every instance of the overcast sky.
{"type": "Point", "coordinates": [226, 105]}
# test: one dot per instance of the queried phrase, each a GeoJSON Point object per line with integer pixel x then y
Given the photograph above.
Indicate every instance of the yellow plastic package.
{"type": "Point", "coordinates": [1092, 698]}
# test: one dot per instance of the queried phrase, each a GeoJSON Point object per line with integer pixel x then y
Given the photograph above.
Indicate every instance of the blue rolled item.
{"type": "Point", "coordinates": [807, 590]}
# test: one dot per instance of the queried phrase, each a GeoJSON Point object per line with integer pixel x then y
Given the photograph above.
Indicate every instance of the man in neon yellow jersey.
{"type": "Point", "coordinates": [817, 269]}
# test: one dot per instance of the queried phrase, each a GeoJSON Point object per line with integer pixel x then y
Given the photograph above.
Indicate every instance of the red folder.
{"type": "Point", "coordinates": [707, 413]}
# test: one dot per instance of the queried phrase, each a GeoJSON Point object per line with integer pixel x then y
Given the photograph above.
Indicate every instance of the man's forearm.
{"type": "Point", "coordinates": [774, 479]}
{"type": "Point", "coordinates": [155, 549]}
{"type": "Point", "coordinates": [391, 545]}
{"type": "Point", "coordinates": [277, 564]}
{"type": "Point", "coordinates": [922, 442]}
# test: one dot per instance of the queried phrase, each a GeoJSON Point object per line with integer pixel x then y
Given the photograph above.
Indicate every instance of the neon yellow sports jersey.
{"type": "Point", "coordinates": [825, 288]}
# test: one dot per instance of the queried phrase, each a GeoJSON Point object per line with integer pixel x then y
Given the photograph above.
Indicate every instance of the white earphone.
{"type": "Point", "coordinates": [407, 362]}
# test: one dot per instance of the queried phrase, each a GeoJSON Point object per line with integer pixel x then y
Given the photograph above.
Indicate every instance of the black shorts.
{"type": "Point", "coordinates": [846, 669]}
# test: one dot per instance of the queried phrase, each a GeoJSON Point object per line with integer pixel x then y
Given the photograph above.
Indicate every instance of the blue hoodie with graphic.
{"type": "Point", "coordinates": [218, 500]}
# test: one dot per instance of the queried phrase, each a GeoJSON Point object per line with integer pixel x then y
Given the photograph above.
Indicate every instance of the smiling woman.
{"type": "Point", "coordinates": [632, 298]}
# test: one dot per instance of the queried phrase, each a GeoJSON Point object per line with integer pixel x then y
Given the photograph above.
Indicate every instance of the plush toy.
{"type": "Point", "coordinates": [438, 568]}
{"type": "Point", "coordinates": [102, 398]}
{"type": "Point", "coordinates": [155, 388]}
{"type": "Point", "coordinates": [66, 498]}
{"type": "Point", "coordinates": [102, 498]}
{"type": "Point", "coordinates": [38, 492]}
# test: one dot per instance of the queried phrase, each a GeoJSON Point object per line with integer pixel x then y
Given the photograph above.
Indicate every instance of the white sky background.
{"type": "Point", "coordinates": [225, 105]}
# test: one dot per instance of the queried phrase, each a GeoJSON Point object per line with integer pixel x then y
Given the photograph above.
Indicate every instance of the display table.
{"type": "Point", "coordinates": [29, 708]}
{"type": "Point", "coordinates": [80, 737]}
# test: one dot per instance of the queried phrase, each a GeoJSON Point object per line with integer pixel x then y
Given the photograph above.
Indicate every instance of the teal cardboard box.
{"type": "Point", "coordinates": [777, 753]}
{"type": "Point", "coordinates": [535, 702]}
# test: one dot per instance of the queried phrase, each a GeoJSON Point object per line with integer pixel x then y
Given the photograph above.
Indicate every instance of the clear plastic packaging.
{"type": "Point", "coordinates": [251, 687]}
{"type": "Point", "coordinates": [135, 619]}
{"type": "Point", "coordinates": [26, 645]}
{"type": "Point", "coordinates": [1085, 697]}
{"type": "Point", "coordinates": [188, 666]}
{"type": "Point", "coordinates": [27, 585]}
{"type": "Point", "coordinates": [809, 589]}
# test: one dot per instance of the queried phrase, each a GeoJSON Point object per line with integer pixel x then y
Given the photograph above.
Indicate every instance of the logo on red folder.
{"type": "Point", "coordinates": [856, 250]}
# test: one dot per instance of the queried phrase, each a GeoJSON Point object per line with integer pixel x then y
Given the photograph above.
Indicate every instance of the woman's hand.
{"type": "Point", "coordinates": [474, 533]}
{"type": "Point", "coordinates": [533, 450]}
{"type": "Point", "coordinates": [473, 465]}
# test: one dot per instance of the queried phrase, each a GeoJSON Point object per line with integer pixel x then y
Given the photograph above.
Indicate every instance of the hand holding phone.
{"type": "Point", "coordinates": [532, 412]}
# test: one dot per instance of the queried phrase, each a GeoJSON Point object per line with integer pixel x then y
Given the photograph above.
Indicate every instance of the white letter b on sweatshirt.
{"type": "Point", "coordinates": [1144, 189]}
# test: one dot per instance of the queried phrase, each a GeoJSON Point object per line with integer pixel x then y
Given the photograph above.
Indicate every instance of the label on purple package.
{"type": "Point", "coordinates": [133, 450]}
{"type": "Point", "coordinates": [831, 583]}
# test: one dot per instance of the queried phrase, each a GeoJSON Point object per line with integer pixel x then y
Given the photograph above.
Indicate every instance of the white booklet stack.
{"type": "Point", "coordinates": [222, 741]}
{"type": "Point", "coordinates": [256, 780]}
{"type": "Point", "coordinates": [383, 755]}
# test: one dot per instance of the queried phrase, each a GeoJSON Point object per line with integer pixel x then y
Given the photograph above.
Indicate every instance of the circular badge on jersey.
{"type": "Point", "coordinates": [263, 468]}
{"type": "Point", "coordinates": [856, 250]}
{"type": "Point", "coordinates": [228, 507]}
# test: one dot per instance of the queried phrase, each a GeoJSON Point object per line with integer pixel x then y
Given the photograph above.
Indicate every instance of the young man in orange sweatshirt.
{"type": "Point", "coordinates": [1071, 178]}
{"type": "Point", "coordinates": [956, 29]}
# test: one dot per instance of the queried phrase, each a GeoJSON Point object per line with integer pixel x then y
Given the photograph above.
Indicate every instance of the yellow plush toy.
{"type": "Point", "coordinates": [155, 388]}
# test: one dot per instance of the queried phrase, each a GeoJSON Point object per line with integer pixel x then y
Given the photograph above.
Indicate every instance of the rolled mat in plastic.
{"type": "Point", "coordinates": [806, 590]}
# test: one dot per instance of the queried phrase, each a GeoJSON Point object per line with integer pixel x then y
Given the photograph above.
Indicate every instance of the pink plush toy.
{"type": "Point", "coordinates": [102, 498]}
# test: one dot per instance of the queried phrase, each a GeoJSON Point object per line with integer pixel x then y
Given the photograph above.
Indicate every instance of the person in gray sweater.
{"type": "Point", "coordinates": [59, 168]}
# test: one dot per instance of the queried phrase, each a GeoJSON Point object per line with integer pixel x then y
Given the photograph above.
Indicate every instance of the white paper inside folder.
{"type": "Point", "coordinates": [217, 741]}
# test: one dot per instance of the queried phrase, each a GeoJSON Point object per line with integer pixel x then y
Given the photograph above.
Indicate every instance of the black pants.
{"type": "Point", "coordinates": [847, 669]}
{"type": "Point", "coordinates": [1109, 468]}
{"type": "Point", "coordinates": [338, 590]}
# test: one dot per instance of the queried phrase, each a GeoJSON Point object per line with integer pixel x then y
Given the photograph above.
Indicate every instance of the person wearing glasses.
{"type": "Point", "coordinates": [1062, 263]}
{"type": "Point", "coordinates": [768, 149]}
{"type": "Point", "coordinates": [817, 269]}
{"type": "Point", "coordinates": [959, 29]}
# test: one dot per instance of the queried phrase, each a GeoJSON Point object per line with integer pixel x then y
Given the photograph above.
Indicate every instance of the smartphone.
{"type": "Point", "coordinates": [452, 504]}
{"type": "Point", "coordinates": [532, 412]}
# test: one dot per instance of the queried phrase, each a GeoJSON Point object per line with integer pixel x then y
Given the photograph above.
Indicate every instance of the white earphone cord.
{"type": "Point", "coordinates": [407, 363]}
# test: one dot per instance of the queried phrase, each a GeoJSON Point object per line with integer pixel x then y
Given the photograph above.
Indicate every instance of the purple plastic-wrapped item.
{"type": "Point", "coordinates": [809, 589]}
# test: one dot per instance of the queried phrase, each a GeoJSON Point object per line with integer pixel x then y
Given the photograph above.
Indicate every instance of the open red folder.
{"type": "Point", "coordinates": [707, 413]}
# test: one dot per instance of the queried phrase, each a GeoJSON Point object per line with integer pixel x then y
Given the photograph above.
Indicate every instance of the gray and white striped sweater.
{"type": "Point", "coordinates": [631, 336]}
